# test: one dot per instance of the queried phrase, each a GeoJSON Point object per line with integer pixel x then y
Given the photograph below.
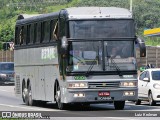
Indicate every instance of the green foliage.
{"type": "Point", "coordinates": [153, 41]}
{"type": "Point", "coordinates": [146, 12]}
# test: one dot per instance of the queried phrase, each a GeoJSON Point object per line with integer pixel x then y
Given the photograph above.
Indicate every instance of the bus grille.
{"type": "Point", "coordinates": [93, 85]}
{"type": "Point", "coordinates": [17, 85]}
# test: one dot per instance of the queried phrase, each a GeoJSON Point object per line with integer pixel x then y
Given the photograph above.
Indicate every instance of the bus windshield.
{"type": "Point", "coordinates": [101, 28]}
{"type": "Point", "coordinates": [101, 55]}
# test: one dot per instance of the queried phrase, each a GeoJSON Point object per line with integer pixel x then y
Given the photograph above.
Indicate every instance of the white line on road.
{"type": "Point", "coordinates": [29, 108]}
{"type": "Point", "coordinates": [119, 118]}
{"type": "Point", "coordinates": [7, 91]}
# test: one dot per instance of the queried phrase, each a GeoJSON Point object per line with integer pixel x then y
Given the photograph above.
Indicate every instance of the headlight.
{"type": "Point", "coordinates": [3, 75]}
{"type": "Point", "coordinates": [77, 85]}
{"type": "Point", "coordinates": [128, 84]}
{"type": "Point", "coordinates": [156, 86]}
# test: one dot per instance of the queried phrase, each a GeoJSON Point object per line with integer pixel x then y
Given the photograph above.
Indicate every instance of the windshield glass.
{"type": "Point", "coordinates": [101, 55]}
{"type": "Point", "coordinates": [7, 67]}
{"type": "Point", "coordinates": [101, 28]}
{"type": "Point", "coordinates": [155, 75]}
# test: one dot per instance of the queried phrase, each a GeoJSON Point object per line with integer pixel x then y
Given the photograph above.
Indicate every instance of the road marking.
{"type": "Point", "coordinates": [29, 108]}
{"type": "Point", "coordinates": [119, 118]}
{"type": "Point", "coordinates": [7, 91]}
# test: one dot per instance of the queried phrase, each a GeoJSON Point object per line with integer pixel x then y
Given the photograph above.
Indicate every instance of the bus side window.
{"type": "Point", "coordinates": [31, 33]}
{"type": "Point", "coordinates": [17, 36]}
{"type": "Point", "coordinates": [52, 24]}
{"type": "Point", "coordinates": [22, 36]}
{"type": "Point", "coordinates": [62, 27]}
{"type": "Point", "coordinates": [46, 31]}
{"type": "Point", "coordinates": [35, 33]}
{"type": "Point", "coordinates": [54, 35]}
{"type": "Point", "coordinates": [28, 34]}
{"type": "Point", "coordinates": [39, 37]}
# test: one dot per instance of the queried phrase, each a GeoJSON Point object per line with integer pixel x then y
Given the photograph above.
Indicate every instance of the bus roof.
{"type": "Point", "coordinates": [24, 16]}
{"type": "Point", "coordinates": [82, 13]}
{"type": "Point", "coordinates": [152, 32]}
{"type": "Point", "coordinates": [98, 12]}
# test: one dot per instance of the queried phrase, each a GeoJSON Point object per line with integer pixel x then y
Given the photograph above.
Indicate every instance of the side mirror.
{"type": "Point", "coordinates": [64, 45]}
{"type": "Point", "coordinates": [142, 47]}
{"type": "Point", "coordinates": [146, 79]}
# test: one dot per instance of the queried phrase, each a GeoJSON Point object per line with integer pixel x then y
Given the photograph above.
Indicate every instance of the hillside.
{"type": "Point", "coordinates": [146, 12]}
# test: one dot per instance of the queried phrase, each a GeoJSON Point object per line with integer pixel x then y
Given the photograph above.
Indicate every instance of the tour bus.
{"type": "Point", "coordinates": [66, 57]}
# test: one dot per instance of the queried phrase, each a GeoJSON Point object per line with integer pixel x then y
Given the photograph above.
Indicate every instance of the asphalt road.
{"type": "Point", "coordinates": [10, 103]}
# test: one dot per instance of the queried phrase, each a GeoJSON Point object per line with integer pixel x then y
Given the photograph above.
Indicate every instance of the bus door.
{"type": "Point", "coordinates": [41, 83]}
{"type": "Point", "coordinates": [49, 82]}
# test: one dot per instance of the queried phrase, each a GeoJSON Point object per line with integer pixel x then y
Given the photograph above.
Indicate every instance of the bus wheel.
{"type": "Point", "coordinates": [60, 105]}
{"type": "Point", "coordinates": [24, 92]}
{"type": "Point", "coordinates": [31, 102]}
{"type": "Point", "coordinates": [150, 98]}
{"type": "Point", "coordinates": [119, 105]}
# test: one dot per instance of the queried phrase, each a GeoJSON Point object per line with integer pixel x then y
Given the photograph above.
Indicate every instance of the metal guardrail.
{"type": "Point", "coordinates": [6, 56]}
{"type": "Point", "coordinates": [152, 57]}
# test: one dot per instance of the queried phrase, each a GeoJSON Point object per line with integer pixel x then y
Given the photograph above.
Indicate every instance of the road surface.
{"type": "Point", "coordinates": [10, 103]}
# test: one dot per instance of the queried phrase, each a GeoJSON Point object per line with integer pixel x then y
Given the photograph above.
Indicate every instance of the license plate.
{"type": "Point", "coordinates": [103, 94]}
{"type": "Point", "coordinates": [104, 98]}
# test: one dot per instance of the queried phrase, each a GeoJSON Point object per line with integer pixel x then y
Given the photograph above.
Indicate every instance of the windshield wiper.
{"type": "Point", "coordinates": [115, 65]}
{"type": "Point", "coordinates": [113, 62]}
{"type": "Point", "coordinates": [90, 67]}
{"type": "Point", "coordinates": [79, 59]}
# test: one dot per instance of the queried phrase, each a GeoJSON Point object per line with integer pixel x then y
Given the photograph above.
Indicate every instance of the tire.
{"type": "Point", "coordinates": [27, 97]}
{"type": "Point", "coordinates": [60, 105]}
{"type": "Point", "coordinates": [138, 102]}
{"type": "Point", "coordinates": [24, 92]}
{"type": "Point", "coordinates": [119, 105]}
{"type": "Point", "coordinates": [150, 98]}
{"type": "Point", "coordinates": [31, 102]}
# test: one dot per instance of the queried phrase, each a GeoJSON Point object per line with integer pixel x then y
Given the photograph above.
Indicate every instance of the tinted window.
{"type": "Point", "coordinates": [38, 32]}
{"type": "Point", "coordinates": [147, 75]}
{"type": "Point", "coordinates": [35, 33]}
{"type": "Point", "coordinates": [25, 35]}
{"type": "Point", "coordinates": [7, 66]}
{"type": "Point", "coordinates": [46, 31]}
{"type": "Point", "coordinates": [17, 35]}
{"type": "Point", "coordinates": [28, 34]}
{"type": "Point", "coordinates": [62, 27]}
{"type": "Point", "coordinates": [142, 76]}
{"type": "Point", "coordinates": [31, 33]}
{"type": "Point", "coordinates": [101, 28]}
{"type": "Point", "coordinates": [156, 75]}
{"type": "Point", "coordinates": [54, 29]}
{"type": "Point", "coordinates": [22, 35]}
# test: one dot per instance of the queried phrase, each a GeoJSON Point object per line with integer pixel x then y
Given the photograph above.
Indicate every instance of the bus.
{"type": "Point", "coordinates": [65, 57]}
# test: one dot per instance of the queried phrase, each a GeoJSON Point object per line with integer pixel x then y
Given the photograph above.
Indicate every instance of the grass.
{"type": "Point", "coordinates": [153, 41]}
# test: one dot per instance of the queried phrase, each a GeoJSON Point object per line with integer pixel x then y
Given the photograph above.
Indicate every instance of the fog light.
{"type": "Point", "coordinates": [75, 95]}
{"type": "Point", "coordinates": [81, 95]}
{"type": "Point", "coordinates": [131, 93]}
{"type": "Point", "coordinates": [128, 93]}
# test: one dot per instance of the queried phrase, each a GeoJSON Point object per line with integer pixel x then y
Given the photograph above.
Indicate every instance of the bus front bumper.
{"type": "Point", "coordinates": [93, 96]}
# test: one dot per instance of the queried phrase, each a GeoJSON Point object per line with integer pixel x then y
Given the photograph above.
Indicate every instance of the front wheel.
{"type": "Point", "coordinates": [119, 105]}
{"type": "Point", "coordinates": [60, 105]}
{"type": "Point", "coordinates": [150, 98]}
